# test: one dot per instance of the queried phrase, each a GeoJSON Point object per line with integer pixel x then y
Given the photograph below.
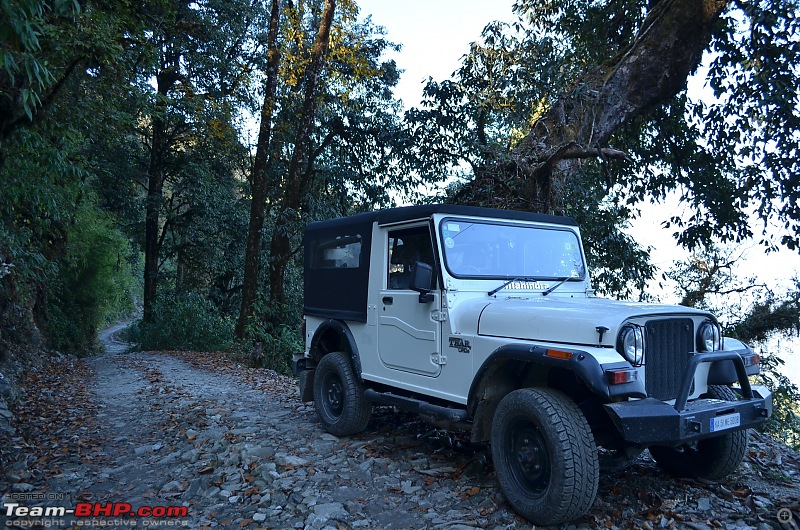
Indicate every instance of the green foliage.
{"type": "Point", "coordinates": [770, 315]}
{"type": "Point", "coordinates": [24, 73]}
{"type": "Point", "coordinates": [277, 328]}
{"type": "Point", "coordinates": [185, 321]}
{"type": "Point", "coordinates": [785, 421]}
{"type": "Point", "coordinates": [724, 157]}
{"type": "Point", "coordinates": [205, 223]}
{"type": "Point", "coordinates": [755, 119]}
{"type": "Point", "coordinates": [94, 284]}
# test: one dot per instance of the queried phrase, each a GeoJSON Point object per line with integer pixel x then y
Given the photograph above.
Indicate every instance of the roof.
{"type": "Point", "coordinates": [410, 213]}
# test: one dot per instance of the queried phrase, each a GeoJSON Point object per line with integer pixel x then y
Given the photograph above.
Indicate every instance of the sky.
{"type": "Point", "coordinates": [434, 34]}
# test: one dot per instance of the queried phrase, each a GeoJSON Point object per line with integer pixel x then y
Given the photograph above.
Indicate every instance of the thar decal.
{"type": "Point", "coordinates": [460, 344]}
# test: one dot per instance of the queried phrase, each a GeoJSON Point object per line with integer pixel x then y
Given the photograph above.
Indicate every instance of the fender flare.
{"type": "Point", "coordinates": [582, 364]}
{"type": "Point", "coordinates": [343, 331]}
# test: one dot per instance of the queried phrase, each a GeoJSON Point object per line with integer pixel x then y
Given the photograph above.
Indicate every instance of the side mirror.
{"type": "Point", "coordinates": [421, 281]}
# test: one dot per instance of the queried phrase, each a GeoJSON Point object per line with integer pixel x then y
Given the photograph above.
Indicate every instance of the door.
{"type": "Point", "coordinates": [409, 336]}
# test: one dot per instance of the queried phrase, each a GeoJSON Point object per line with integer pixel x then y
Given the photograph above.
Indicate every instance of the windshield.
{"type": "Point", "coordinates": [482, 249]}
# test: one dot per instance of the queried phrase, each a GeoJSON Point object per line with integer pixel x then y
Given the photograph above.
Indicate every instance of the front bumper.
{"type": "Point", "coordinates": [652, 422]}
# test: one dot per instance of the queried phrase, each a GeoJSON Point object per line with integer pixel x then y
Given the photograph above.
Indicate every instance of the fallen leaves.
{"type": "Point", "coordinates": [56, 420]}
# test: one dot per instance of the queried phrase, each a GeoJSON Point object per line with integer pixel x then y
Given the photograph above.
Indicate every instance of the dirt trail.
{"type": "Point", "coordinates": [235, 448]}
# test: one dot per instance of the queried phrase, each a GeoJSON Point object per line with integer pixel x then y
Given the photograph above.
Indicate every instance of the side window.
{"type": "Point", "coordinates": [343, 252]}
{"type": "Point", "coordinates": [405, 248]}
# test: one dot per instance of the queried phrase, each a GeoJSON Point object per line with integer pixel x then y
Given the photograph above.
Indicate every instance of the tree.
{"type": "Point", "coordinates": [28, 81]}
{"type": "Point", "coordinates": [296, 182]}
{"type": "Point", "coordinates": [337, 140]}
{"type": "Point", "coordinates": [585, 99]}
{"type": "Point", "coordinates": [195, 48]}
{"type": "Point", "coordinates": [48, 209]}
{"type": "Point", "coordinates": [710, 273]}
{"type": "Point", "coordinates": [259, 174]}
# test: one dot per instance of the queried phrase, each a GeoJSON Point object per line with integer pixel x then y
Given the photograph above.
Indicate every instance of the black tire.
{"type": "Point", "coordinates": [544, 455]}
{"type": "Point", "coordinates": [711, 458]}
{"type": "Point", "coordinates": [339, 396]}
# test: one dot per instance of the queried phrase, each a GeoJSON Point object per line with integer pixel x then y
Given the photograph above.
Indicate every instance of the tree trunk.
{"type": "Point", "coordinates": [297, 180]}
{"type": "Point", "coordinates": [155, 185]}
{"type": "Point", "coordinates": [579, 125]}
{"type": "Point", "coordinates": [165, 79]}
{"type": "Point", "coordinates": [259, 174]}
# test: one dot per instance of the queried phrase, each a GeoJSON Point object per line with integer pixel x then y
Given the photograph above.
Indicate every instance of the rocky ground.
{"type": "Point", "coordinates": [236, 447]}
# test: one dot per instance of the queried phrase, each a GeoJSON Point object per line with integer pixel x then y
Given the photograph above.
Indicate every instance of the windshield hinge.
{"type": "Point", "coordinates": [439, 316]}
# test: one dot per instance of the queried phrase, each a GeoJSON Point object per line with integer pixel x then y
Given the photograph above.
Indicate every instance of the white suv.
{"type": "Point", "coordinates": [486, 320]}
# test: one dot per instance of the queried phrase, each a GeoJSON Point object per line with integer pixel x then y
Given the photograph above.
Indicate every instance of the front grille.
{"type": "Point", "coordinates": [668, 344]}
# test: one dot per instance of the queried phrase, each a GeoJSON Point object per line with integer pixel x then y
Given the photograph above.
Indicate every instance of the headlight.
{"type": "Point", "coordinates": [630, 344]}
{"type": "Point", "coordinates": [709, 336]}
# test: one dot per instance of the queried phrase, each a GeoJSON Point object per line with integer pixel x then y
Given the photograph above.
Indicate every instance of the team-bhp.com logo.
{"type": "Point", "coordinates": [18, 515]}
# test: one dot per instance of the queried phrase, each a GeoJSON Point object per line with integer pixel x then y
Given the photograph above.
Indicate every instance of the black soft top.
{"type": "Point", "coordinates": [410, 213]}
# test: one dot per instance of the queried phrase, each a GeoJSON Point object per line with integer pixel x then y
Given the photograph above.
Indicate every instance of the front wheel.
{"type": "Point", "coordinates": [339, 396]}
{"type": "Point", "coordinates": [544, 455]}
{"type": "Point", "coordinates": [710, 458]}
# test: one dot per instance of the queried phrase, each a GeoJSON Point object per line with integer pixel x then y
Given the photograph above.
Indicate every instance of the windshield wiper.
{"type": "Point", "coordinates": [555, 286]}
{"type": "Point", "coordinates": [512, 280]}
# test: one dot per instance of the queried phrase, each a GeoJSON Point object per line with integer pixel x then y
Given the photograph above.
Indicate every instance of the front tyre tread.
{"type": "Point", "coordinates": [559, 486]}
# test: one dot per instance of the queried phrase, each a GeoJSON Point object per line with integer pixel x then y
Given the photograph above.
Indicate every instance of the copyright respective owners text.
{"type": "Point", "coordinates": [59, 510]}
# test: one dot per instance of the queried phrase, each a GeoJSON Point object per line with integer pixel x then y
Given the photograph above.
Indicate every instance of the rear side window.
{"type": "Point", "coordinates": [342, 252]}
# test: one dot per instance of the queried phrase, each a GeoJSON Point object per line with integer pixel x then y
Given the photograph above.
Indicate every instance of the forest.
{"type": "Point", "coordinates": [160, 159]}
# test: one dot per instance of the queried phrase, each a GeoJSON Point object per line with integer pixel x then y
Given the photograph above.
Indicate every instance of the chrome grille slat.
{"type": "Point", "coordinates": [668, 344]}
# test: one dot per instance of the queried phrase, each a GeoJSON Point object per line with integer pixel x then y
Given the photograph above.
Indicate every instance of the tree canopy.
{"type": "Point", "coordinates": [128, 133]}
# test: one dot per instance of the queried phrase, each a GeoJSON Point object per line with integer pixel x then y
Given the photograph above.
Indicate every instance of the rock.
{"type": "Point", "coordinates": [704, 504]}
{"type": "Point", "coordinates": [290, 460]}
{"type": "Point", "coordinates": [171, 487]}
{"type": "Point", "coordinates": [5, 419]}
{"type": "Point", "coordinates": [6, 390]}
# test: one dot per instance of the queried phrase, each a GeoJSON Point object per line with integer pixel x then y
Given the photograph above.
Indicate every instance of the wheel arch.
{"type": "Point", "coordinates": [335, 335]}
{"type": "Point", "coordinates": [516, 366]}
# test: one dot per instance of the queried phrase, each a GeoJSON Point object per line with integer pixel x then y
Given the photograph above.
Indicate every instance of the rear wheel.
{"type": "Point", "coordinates": [711, 458]}
{"type": "Point", "coordinates": [339, 396]}
{"type": "Point", "coordinates": [544, 455]}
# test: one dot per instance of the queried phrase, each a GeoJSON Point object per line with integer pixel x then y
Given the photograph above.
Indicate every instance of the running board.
{"type": "Point", "coordinates": [418, 406]}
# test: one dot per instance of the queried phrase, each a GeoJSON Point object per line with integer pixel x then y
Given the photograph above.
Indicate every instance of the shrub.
{"type": "Point", "coordinates": [278, 331]}
{"type": "Point", "coordinates": [93, 283]}
{"type": "Point", "coordinates": [184, 321]}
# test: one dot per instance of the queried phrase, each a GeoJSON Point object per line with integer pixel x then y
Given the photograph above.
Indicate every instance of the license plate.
{"type": "Point", "coordinates": [728, 421]}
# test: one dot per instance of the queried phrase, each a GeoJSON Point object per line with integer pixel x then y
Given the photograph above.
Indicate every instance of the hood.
{"type": "Point", "coordinates": [561, 319]}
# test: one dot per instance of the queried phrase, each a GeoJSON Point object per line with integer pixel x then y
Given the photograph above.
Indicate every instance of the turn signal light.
{"type": "Point", "coordinates": [620, 377]}
{"type": "Point", "coordinates": [751, 360]}
{"type": "Point", "coordinates": [559, 354]}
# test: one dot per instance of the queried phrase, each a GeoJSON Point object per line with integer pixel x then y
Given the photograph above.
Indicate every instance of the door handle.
{"type": "Point", "coordinates": [388, 300]}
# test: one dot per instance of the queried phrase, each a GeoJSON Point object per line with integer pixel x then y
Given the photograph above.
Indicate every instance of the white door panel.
{"type": "Point", "coordinates": [408, 338]}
